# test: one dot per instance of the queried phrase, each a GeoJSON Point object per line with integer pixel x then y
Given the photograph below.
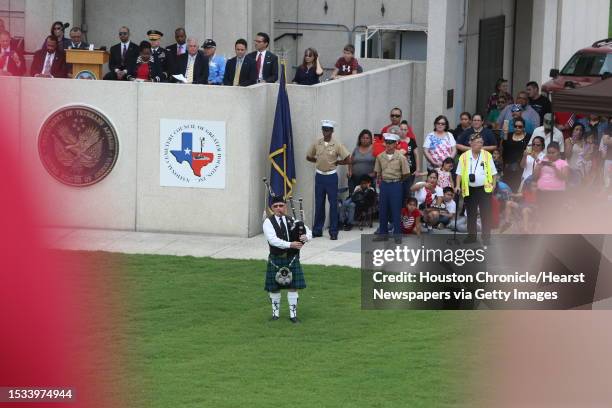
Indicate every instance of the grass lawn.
{"type": "Point", "coordinates": [198, 334]}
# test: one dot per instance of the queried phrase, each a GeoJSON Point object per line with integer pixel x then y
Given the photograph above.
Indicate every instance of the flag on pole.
{"type": "Point", "coordinates": [282, 171]}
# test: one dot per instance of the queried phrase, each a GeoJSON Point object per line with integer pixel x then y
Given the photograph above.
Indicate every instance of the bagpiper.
{"type": "Point", "coordinates": [285, 236]}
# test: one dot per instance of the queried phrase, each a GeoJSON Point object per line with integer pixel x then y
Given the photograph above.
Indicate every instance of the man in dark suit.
{"type": "Point", "coordinates": [12, 62]}
{"type": "Point", "coordinates": [174, 51]}
{"type": "Point", "coordinates": [49, 62]}
{"type": "Point", "coordinates": [193, 65]}
{"type": "Point", "coordinates": [122, 55]}
{"type": "Point", "coordinates": [76, 41]}
{"type": "Point", "coordinates": [266, 63]}
{"type": "Point", "coordinates": [244, 75]}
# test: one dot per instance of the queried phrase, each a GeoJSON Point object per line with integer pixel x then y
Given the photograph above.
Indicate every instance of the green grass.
{"type": "Point", "coordinates": [197, 335]}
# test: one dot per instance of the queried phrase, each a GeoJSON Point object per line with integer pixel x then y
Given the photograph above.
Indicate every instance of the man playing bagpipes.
{"type": "Point", "coordinates": [286, 237]}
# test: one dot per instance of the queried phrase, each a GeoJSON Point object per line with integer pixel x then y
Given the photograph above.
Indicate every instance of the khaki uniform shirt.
{"type": "Point", "coordinates": [393, 169]}
{"type": "Point", "coordinates": [327, 155]}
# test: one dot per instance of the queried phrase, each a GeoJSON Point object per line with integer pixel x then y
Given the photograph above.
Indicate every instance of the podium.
{"type": "Point", "coordinates": [86, 64]}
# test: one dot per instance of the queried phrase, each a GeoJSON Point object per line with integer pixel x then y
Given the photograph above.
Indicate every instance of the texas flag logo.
{"type": "Point", "coordinates": [196, 160]}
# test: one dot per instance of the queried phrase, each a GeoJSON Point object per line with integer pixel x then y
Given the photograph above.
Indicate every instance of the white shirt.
{"type": "Point", "coordinates": [275, 241]}
{"type": "Point", "coordinates": [421, 194]}
{"type": "Point", "coordinates": [476, 166]}
{"type": "Point", "coordinates": [557, 137]}
{"type": "Point", "coordinates": [530, 164]}
{"type": "Point", "coordinates": [49, 60]}
{"type": "Point", "coordinates": [181, 48]}
{"type": "Point", "coordinates": [2, 53]}
{"type": "Point", "coordinates": [263, 61]}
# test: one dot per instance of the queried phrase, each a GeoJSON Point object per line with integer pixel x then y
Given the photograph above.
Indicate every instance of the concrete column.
{"type": "Point", "coordinates": [442, 58]}
{"type": "Point", "coordinates": [543, 40]}
{"type": "Point", "coordinates": [40, 14]}
{"type": "Point", "coordinates": [195, 19]}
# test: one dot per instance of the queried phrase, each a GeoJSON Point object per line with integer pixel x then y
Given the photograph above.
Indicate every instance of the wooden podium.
{"type": "Point", "coordinates": [86, 64]}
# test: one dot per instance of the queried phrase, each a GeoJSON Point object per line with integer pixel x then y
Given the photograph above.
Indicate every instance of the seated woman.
{"type": "Point", "coordinates": [146, 69]}
{"type": "Point", "coordinates": [310, 71]}
{"type": "Point", "coordinates": [429, 196]}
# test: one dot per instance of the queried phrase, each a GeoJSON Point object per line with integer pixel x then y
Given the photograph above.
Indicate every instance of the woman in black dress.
{"type": "Point", "coordinates": [513, 147]}
{"type": "Point", "coordinates": [309, 72]}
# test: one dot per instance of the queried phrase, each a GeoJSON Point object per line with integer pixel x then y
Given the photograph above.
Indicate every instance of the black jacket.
{"type": "Point", "coordinates": [155, 71]}
{"type": "Point", "coordinates": [115, 61]}
{"type": "Point", "coordinates": [172, 59]}
{"type": "Point", "coordinates": [246, 72]}
{"type": "Point", "coordinates": [269, 69]}
{"type": "Point", "coordinates": [59, 68]}
{"type": "Point", "coordinates": [200, 68]}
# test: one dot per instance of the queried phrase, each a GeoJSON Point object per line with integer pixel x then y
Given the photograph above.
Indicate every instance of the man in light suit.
{"type": "Point", "coordinates": [266, 63]}
{"type": "Point", "coordinates": [193, 65]}
{"type": "Point", "coordinates": [245, 74]}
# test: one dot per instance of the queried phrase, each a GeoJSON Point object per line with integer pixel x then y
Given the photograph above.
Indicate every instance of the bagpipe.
{"type": "Point", "coordinates": [297, 228]}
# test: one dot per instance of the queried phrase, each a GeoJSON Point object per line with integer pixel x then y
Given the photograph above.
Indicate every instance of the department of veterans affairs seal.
{"type": "Point", "coordinates": [78, 146]}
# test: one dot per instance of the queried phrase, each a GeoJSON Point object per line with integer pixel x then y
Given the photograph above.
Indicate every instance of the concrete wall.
{"type": "Point", "coordinates": [330, 32]}
{"type": "Point", "coordinates": [104, 18]}
{"type": "Point", "coordinates": [130, 197]}
{"type": "Point", "coordinates": [39, 15]}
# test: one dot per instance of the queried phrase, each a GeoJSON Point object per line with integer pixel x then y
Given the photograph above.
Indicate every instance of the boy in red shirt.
{"type": "Point", "coordinates": [411, 218]}
{"type": "Point", "coordinates": [347, 64]}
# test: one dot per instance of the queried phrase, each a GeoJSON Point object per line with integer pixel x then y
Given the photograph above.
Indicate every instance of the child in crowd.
{"type": "Point", "coordinates": [448, 207]}
{"type": "Point", "coordinates": [347, 64]}
{"type": "Point", "coordinates": [363, 197]}
{"type": "Point", "coordinates": [445, 178]}
{"type": "Point", "coordinates": [411, 218]}
{"type": "Point", "coordinates": [499, 162]}
{"type": "Point", "coordinates": [522, 204]}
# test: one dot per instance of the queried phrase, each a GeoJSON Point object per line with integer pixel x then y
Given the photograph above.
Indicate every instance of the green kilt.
{"type": "Point", "coordinates": [297, 281]}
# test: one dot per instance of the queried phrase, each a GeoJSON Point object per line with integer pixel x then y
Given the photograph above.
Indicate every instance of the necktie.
{"type": "Point", "coordinates": [5, 58]}
{"type": "Point", "coordinates": [47, 67]}
{"type": "Point", "coordinates": [258, 63]}
{"type": "Point", "coordinates": [189, 70]}
{"type": "Point", "coordinates": [123, 52]}
{"type": "Point", "coordinates": [237, 73]}
{"type": "Point", "coordinates": [284, 228]}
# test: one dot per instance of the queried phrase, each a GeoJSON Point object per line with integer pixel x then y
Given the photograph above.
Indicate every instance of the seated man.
{"type": "Point", "coordinates": [49, 62]}
{"type": "Point", "coordinates": [193, 65]}
{"type": "Point", "coordinates": [12, 62]}
{"type": "Point", "coordinates": [362, 199]}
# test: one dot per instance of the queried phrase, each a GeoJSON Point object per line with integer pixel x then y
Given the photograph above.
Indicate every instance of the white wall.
{"type": "Point", "coordinates": [39, 15]}
{"type": "Point", "coordinates": [130, 197]}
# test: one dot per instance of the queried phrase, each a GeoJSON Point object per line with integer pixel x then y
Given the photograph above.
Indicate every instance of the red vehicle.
{"type": "Point", "coordinates": [587, 66]}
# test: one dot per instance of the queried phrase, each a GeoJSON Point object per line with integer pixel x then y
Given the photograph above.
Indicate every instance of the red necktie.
{"type": "Point", "coordinates": [258, 63]}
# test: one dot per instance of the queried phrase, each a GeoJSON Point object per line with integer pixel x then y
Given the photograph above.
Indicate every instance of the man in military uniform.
{"type": "Point", "coordinates": [158, 53]}
{"type": "Point", "coordinates": [284, 270]}
{"type": "Point", "coordinates": [391, 169]}
{"type": "Point", "coordinates": [327, 153]}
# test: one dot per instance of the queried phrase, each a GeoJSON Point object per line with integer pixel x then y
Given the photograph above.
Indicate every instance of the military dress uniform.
{"type": "Point", "coordinates": [326, 181]}
{"type": "Point", "coordinates": [159, 54]}
{"type": "Point", "coordinates": [277, 231]}
{"type": "Point", "coordinates": [392, 171]}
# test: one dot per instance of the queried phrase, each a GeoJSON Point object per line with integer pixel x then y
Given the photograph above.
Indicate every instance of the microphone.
{"type": "Point", "coordinates": [66, 25]}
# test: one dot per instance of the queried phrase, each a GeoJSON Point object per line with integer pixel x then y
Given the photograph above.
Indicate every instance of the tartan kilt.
{"type": "Point", "coordinates": [297, 281]}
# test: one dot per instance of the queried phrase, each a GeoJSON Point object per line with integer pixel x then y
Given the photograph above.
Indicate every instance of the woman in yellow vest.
{"type": "Point", "coordinates": [476, 178]}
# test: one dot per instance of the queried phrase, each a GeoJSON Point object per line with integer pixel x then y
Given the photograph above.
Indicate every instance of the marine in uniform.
{"type": "Point", "coordinates": [476, 178]}
{"type": "Point", "coordinates": [391, 168]}
{"type": "Point", "coordinates": [327, 153]}
{"type": "Point", "coordinates": [284, 270]}
{"type": "Point", "coordinates": [158, 53]}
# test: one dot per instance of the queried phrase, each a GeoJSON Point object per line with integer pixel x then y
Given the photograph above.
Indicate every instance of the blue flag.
{"type": "Point", "coordinates": [282, 171]}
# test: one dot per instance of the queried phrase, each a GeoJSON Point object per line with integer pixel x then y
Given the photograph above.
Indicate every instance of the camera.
{"type": "Point", "coordinates": [472, 178]}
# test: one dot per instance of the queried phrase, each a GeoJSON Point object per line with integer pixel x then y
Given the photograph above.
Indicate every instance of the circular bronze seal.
{"type": "Point", "coordinates": [78, 146]}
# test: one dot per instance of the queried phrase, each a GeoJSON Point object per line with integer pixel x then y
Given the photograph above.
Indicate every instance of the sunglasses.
{"type": "Point", "coordinates": [123, 33]}
{"type": "Point", "coordinates": [327, 129]}
{"type": "Point", "coordinates": [393, 115]}
{"type": "Point", "coordinates": [389, 141]}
